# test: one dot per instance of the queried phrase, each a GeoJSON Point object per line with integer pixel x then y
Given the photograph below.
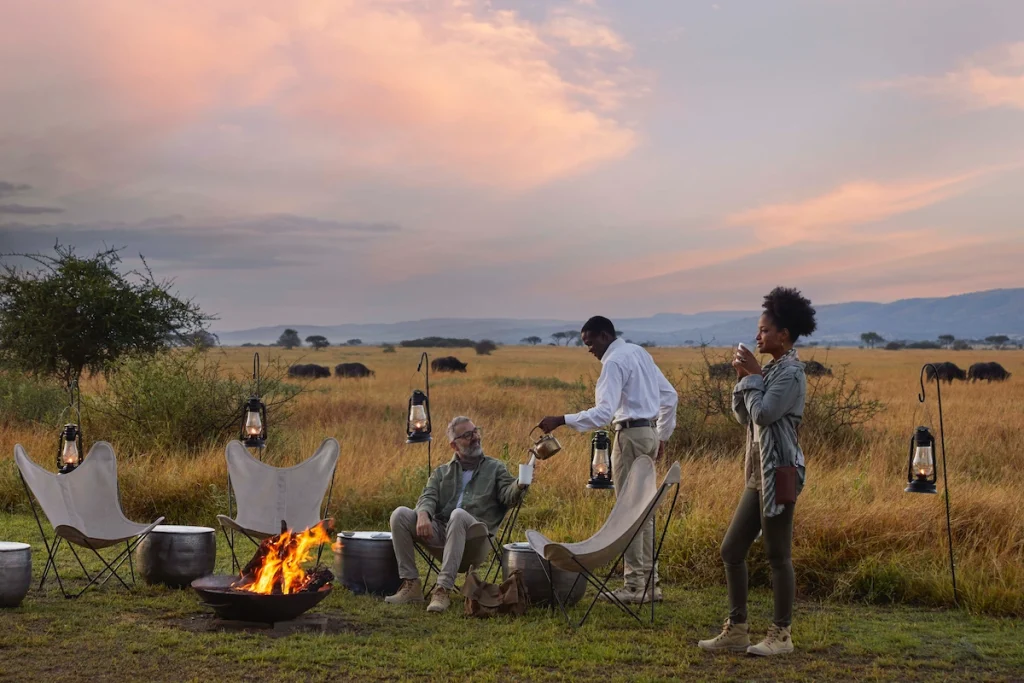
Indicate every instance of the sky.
{"type": "Point", "coordinates": [335, 161]}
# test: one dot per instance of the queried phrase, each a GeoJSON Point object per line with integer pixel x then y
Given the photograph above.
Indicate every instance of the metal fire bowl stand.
{"type": "Point", "coordinates": [215, 591]}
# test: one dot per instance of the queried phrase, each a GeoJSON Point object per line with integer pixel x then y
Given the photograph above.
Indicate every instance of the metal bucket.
{"type": "Point", "coordinates": [365, 562]}
{"type": "Point", "coordinates": [569, 586]}
{"type": "Point", "coordinates": [176, 555]}
{"type": "Point", "coordinates": [15, 572]}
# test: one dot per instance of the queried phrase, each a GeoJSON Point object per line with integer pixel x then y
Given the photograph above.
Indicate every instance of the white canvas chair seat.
{"type": "Point", "coordinates": [639, 498]}
{"type": "Point", "coordinates": [267, 496]}
{"type": "Point", "coordinates": [83, 506]}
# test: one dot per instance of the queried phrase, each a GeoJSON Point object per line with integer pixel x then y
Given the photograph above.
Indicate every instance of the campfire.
{"type": "Point", "coordinates": [274, 586]}
{"type": "Point", "coordinates": [276, 568]}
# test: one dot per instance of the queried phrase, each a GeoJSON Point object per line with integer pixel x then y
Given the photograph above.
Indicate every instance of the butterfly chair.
{"type": "Point", "coordinates": [638, 500]}
{"type": "Point", "coordinates": [271, 499]}
{"type": "Point", "coordinates": [83, 507]}
{"type": "Point", "coordinates": [480, 544]}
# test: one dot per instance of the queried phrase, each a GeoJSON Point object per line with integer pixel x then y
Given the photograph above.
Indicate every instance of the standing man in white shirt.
{"type": "Point", "coordinates": [634, 396]}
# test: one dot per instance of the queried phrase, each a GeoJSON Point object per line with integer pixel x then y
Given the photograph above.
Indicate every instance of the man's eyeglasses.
{"type": "Point", "coordinates": [466, 436]}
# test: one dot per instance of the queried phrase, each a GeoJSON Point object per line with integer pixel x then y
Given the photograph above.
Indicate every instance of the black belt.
{"type": "Point", "coordinates": [629, 424]}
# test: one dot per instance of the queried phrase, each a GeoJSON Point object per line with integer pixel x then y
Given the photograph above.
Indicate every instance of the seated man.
{"type": "Point", "coordinates": [471, 488]}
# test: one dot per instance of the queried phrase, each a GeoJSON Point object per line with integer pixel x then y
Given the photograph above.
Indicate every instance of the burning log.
{"type": "Point", "coordinates": [277, 565]}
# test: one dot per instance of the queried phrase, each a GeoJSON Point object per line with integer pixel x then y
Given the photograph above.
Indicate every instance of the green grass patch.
{"type": "Point", "coordinates": [158, 634]}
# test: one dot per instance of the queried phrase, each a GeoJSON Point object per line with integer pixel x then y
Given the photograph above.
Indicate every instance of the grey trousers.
{"type": "Point", "coordinates": [777, 536]}
{"type": "Point", "coordinates": [450, 536]}
{"type": "Point", "coordinates": [629, 445]}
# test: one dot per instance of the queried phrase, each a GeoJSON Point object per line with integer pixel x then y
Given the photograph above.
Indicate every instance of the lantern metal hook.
{"type": "Point", "coordinates": [945, 480]}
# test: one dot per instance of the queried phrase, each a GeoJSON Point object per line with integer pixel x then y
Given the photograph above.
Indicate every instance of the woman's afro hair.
{"type": "Point", "coordinates": [788, 309]}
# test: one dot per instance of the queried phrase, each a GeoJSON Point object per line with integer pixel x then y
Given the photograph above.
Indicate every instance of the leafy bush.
{"type": "Point", "coordinates": [836, 407]}
{"type": "Point", "coordinates": [388, 348]}
{"type": "Point", "coordinates": [179, 402]}
{"type": "Point", "coordinates": [924, 345]}
{"type": "Point", "coordinates": [484, 347]}
{"type": "Point", "coordinates": [895, 346]}
{"type": "Point", "coordinates": [24, 399]}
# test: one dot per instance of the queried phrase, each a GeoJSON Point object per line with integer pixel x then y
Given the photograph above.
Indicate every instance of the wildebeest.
{"type": "Point", "coordinates": [813, 368]}
{"type": "Point", "coordinates": [721, 371]}
{"type": "Point", "coordinates": [447, 364]}
{"type": "Point", "coordinates": [309, 370]}
{"type": "Point", "coordinates": [987, 372]}
{"type": "Point", "coordinates": [946, 371]}
{"type": "Point", "coordinates": [352, 370]}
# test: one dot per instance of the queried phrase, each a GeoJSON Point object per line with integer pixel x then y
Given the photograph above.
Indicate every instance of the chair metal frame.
{"type": "Point", "coordinates": [504, 536]}
{"type": "Point", "coordinates": [110, 568]}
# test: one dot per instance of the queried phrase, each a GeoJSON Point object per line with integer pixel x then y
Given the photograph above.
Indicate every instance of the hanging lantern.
{"type": "Point", "coordinates": [254, 423]}
{"type": "Point", "coordinates": [921, 462]}
{"type": "Point", "coordinates": [69, 450]}
{"type": "Point", "coordinates": [600, 463]}
{"type": "Point", "coordinates": [418, 427]}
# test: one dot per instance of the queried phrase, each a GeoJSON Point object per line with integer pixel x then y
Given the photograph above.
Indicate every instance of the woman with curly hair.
{"type": "Point", "coordinates": [769, 402]}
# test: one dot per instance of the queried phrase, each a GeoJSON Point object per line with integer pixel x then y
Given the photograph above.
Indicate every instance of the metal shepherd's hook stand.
{"type": "Point", "coordinates": [945, 481]}
{"type": "Point", "coordinates": [424, 365]}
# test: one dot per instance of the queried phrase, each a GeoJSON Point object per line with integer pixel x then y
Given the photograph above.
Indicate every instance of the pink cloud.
{"type": "Point", "coordinates": [987, 80]}
{"type": "Point", "coordinates": [851, 204]}
{"type": "Point", "coordinates": [454, 88]}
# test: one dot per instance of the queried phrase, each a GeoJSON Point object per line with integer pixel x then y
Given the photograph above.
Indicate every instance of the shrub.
{"type": "Point", "coordinates": [961, 345]}
{"type": "Point", "coordinates": [924, 345]}
{"type": "Point", "coordinates": [388, 348]}
{"type": "Point", "coordinates": [25, 399]}
{"type": "Point", "coordinates": [178, 402]}
{"type": "Point", "coordinates": [484, 347]}
{"type": "Point", "coordinates": [895, 346]}
{"type": "Point", "coordinates": [837, 406]}
{"type": "Point", "coordinates": [438, 342]}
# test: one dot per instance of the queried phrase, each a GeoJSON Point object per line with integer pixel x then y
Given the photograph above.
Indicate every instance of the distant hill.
{"type": "Point", "coordinates": [966, 316]}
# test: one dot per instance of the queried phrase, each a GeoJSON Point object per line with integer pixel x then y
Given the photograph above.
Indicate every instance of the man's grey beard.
{"type": "Point", "coordinates": [474, 452]}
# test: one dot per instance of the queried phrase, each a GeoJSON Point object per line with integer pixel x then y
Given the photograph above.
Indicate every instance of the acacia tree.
{"type": "Point", "coordinates": [871, 339]}
{"type": "Point", "coordinates": [289, 339]}
{"type": "Point", "coordinates": [317, 341]}
{"type": "Point", "coordinates": [532, 341]}
{"type": "Point", "coordinates": [73, 313]}
{"type": "Point", "coordinates": [946, 340]}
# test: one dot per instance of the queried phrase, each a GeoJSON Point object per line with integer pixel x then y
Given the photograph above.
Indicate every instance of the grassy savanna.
{"type": "Point", "coordinates": [858, 538]}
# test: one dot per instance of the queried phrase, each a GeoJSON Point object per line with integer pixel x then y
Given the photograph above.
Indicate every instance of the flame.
{"type": "Point", "coordinates": [281, 571]}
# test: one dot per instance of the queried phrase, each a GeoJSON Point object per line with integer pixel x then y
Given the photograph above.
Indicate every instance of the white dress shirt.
{"type": "Point", "coordinates": [631, 387]}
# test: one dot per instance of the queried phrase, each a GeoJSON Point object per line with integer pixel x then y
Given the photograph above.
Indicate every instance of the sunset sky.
{"type": "Point", "coordinates": [332, 161]}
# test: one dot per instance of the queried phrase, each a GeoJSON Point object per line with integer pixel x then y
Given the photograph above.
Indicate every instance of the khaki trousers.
{"type": "Point", "coordinates": [450, 536]}
{"type": "Point", "coordinates": [630, 444]}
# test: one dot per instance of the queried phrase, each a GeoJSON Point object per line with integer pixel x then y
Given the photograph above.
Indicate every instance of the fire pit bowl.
{"type": "Point", "coordinates": [239, 605]}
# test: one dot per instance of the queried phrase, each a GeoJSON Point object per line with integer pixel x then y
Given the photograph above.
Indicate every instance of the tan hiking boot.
{"type": "Point", "coordinates": [410, 591]}
{"type": "Point", "coordinates": [733, 638]}
{"type": "Point", "coordinates": [776, 642]}
{"type": "Point", "coordinates": [439, 600]}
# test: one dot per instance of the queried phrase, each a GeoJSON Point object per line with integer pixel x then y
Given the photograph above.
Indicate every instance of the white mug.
{"type": "Point", "coordinates": [526, 474]}
{"type": "Point", "coordinates": [744, 347]}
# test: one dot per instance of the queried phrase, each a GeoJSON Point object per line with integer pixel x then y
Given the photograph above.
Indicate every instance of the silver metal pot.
{"type": "Point", "coordinates": [569, 586]}
{"type": "Point", "coordinates": [364, 562]}
{"type": "Point", "coordinates": [15, 572]}
{"type": "Point", "coordinates": [176, 555]}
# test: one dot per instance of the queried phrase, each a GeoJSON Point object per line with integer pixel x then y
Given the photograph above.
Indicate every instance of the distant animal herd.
{"type": "Point", "coordinates": [314, 371]}
{"type": "Point", "coordinates": [947, 372]}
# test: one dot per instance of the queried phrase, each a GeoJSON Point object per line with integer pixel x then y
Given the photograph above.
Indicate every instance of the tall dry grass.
{"type": "Point", "coordinates": [858, 535]}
